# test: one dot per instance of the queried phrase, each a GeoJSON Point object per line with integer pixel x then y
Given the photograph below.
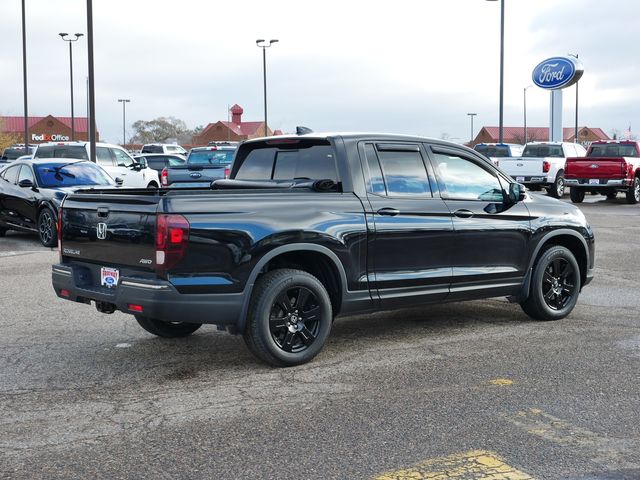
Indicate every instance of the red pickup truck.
{"type": "Point", "coordinates": [611, 166]}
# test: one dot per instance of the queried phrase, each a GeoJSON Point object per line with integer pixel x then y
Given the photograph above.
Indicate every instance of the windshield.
{"type": "Point", "coordinates": [210, 157]}
{"type": "Point", "coordinates": [543, 150]}
{"type": "Point", "coordinates": [619, 150]}
{"type": "Point", "coordinates": [70, 174]}
{"type": "Point", "coordinates": [493, 150]}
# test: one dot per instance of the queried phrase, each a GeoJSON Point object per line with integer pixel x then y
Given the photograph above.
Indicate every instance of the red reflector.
{"type": "Point", "coordinates": [176, 235]}
{"type": "Point", "coordinates": [135, 308]}
{"type": "Point", "coordinates": [65, 293]}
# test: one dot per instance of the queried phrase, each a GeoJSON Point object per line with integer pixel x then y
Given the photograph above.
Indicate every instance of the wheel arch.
{"type": "Point", "coordinates": [569, 239]}
{"type": "Point", "coordinates": [317, 260]}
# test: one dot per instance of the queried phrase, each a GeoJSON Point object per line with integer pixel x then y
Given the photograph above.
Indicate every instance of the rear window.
{"type": "Point", "coordinates": [13, 153]}
{"type": "Point", "coordinates": [152, 149]}
{"type": "Point", "coordinates": [62, 151]}
{"type": "Point", "coordinates": [70, 174]}
{"type": "Point", "coordinates": [493, 150]}
{"type": "Point", "coordinates": [620, 150]}
{"type": "Point", "coordinates": [210, 157]}
{"type": "Point", "coordinates": [543, 151]}
{"type": "Point", "coordinates": [313, 160]}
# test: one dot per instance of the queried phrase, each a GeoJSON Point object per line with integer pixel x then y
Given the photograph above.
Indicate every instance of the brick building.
{"type": "Point", "coordinates": [46, 129]}
{"type": "Point", "coordinates": [586, 135]}
{"type": "Point", "coordinates": [235, 130]}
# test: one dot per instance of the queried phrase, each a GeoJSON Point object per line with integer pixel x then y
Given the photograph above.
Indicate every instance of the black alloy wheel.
{"type": "Point", "coordinates": [555, 285]}
{"type": "Point", "coordinates": [47, 228]}
{"type": "Point", "coordinates": [289, 317]}
{"type": "Point", "coordinates": [558, 284]}
{"type": "Point", "coordinates": [294, 320]}
{"type": "Point", "coordinates": [633, 192]}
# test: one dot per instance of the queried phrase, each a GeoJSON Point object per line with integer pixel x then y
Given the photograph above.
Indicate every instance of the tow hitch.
{"type": "Point", "coordinates": [105, 307]}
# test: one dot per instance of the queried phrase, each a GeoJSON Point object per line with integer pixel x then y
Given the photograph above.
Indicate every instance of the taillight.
{"type": "Point", "coordinates": [59, 228]}
{"type": "Point", "coordinates": [624, 168]}
{"type": "Point", "coordinates": [164, 178]}
{"type": "Point", "coordinates": [545, 166]}
{"type": "Point", "coordinates": [172, 238]}
{"type": "Point", "coordinates": [566, 167]}
{"type": "Point", "coordinates": [227, 172]}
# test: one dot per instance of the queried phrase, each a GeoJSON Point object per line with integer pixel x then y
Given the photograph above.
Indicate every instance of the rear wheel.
{"type": "Point", "coordinates": [47, 228]}
{"type": "Point", "coordinates": [289, 318]}
{"type": "Point", "coordinates": [555, 285]}
{"type": "Point", "coordinates": [576, 194]}
{"type": "Point", "coordinates": [633, 193]}
{"type": "Point", "coordinates": [152, 185]}
{"type": "Point", "coordinates": [167, 329]}
{"type": "Point", "coordinates": [557, 189]}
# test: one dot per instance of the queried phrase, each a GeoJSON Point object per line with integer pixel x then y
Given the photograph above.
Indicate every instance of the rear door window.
{"type": "Point", "coordinates": [103, 156]}
{"type": "Point", "coordinates": [404, 173]}
{"type": "Point", "coordinates": [11, 174]}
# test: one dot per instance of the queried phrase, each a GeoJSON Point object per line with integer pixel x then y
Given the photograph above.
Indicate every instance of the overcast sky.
{"type": "Point", "coordinates": [415, 67]}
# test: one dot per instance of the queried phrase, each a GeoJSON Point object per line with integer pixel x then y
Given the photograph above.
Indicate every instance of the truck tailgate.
{"type": "Point", "coordinates": [595, 167]}
{"type": "Point", "coordinates": [194, 175]}
{"type": "Point", "coordinates": [116, 230]}
{"type": "Point", "coordinates": [522, 166]}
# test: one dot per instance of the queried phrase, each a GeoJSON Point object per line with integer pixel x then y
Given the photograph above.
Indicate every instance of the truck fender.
{"type": "Point", "coordinates": [298, 247]}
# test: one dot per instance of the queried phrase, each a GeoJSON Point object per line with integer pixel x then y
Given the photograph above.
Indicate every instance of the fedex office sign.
{"type": "Point", "coordinates": [557, 72]}
{"type": "Point", "coordinates": [49, 138]}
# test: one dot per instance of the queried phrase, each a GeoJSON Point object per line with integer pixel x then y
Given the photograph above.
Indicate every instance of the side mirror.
{"type": "Point", "coordinates": [517, 192]}
{"type": "Point", "coordinates": [119, 181]}
{"type": "Point", "coordinates": [136, 166]}
{"type": "Point", "coordinates": [26, 183]}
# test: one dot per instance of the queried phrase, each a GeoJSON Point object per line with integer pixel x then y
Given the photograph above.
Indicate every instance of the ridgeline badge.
{"type": "Point", "coordinates": [557, 72]}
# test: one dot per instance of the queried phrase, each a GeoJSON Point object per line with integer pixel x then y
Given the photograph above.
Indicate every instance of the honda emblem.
{"type": "Point", "coordinates": [101, 231]}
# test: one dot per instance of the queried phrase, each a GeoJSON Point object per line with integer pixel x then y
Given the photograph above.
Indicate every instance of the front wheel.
{"type": "Point", "coordinates": [289, 318]}
{"type": "Point", "coordinates": [555, 285]}
{"type": "Point", "coordinates": [633, 193]}
{"type": "Point", "coordinates": [167, 329]}
{"type": "Point", "coordinates": [576, 194]}
{"type": "Point", "coordinates": [47, 228]}
{"type": "Point", "coordinates": [557, 189]}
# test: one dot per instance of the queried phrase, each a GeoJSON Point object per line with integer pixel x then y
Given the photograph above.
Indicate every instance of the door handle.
{"type": "Point", "coordinates": [463, 213]}
{"type": "Point", "coordinates": [388, 211]}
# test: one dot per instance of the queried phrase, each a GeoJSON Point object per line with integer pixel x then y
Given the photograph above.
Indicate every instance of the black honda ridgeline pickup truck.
{"type": "Point", "coordinates": [313, 226]}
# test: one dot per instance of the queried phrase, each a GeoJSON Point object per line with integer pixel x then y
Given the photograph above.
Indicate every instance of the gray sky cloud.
{"type": "Point", "coordinates": [405, 66]}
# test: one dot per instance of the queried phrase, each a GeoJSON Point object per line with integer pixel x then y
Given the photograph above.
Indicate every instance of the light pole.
{"type": "Point", "coordinates": [264, 45]}
{"type": "Point", "coordinates": [471, 115]}
{"type": "Point", "coordinates": [524, 92]}
{"type": "Point", "coordinates": [124, 101]}
{"type": "Point", "coordinates": [70, 42]}
{"type": "Point", "coordinates": [92, 96]}
{"type": "Point", "coordinates": [501, 125]}
{"type": "Point", "coordinates": [575, 136]}
{"type": "Point", "coordinates": [24, 80]}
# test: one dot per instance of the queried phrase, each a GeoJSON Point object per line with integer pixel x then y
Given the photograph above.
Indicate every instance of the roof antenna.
{"type": "Point", "coordinates": [303, 130]}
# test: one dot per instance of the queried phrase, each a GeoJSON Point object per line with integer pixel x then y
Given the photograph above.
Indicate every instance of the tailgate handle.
{"type": "Point", "coordinates": [103, 211]}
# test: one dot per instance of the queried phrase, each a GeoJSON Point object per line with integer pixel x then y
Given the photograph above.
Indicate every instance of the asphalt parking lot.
{"type": "Point", "coordinates": [468, 390]}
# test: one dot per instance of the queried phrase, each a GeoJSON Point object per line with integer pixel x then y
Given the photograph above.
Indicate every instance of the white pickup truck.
{"type": "Point", "coordinates": [542, 165]}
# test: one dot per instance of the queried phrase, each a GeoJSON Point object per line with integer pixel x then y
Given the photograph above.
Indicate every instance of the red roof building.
{"type": "Point", "coordinates": [46, 129]}
{"type": "Point", "coordinates": [537, 134]}
{"type": "Point", "coordinates": [235, 130]}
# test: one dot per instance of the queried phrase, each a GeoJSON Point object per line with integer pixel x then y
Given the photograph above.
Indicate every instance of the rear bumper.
{"type": "Point", "coordinates": [159, 299]}
{"type": "Point", "coordinates": [533, 179]}
{"type": "Point", "coordinates": [602, 182]}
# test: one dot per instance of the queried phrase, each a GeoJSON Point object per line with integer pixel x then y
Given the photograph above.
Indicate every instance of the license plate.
{"type": "Point", "coordinates": [109, 277]}
{"type": "Point", "coordinates": [520, 179]}
{"type": "Point", "coordinates": [594, 181]}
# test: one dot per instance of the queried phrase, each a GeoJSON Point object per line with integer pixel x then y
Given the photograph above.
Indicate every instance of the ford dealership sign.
{"type": "Point", "coordinates": [557, 72]}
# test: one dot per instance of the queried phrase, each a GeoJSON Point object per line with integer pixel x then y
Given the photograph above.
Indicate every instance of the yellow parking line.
{"type": "Point", "coordinates": [477, 464]}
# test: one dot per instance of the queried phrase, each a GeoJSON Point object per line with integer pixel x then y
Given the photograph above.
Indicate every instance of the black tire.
{"type": "Point", "coordinates": [47, 230]}
{"type": "Point", "coordinates": [611, 194]}
{"type": "Point", "coordinates": [289, 318]}
{"type": "Point", "coordinates": [152, 185]}
{"type": "Point", "coordinates": [557, 189]}
{"type": "Point", "coordinates": [555, 285]}
{"type": "Point", "coordinates": [3, 231]}
{"type": "Point", "coordinates": [633, 192]}
{"type": "Point", "coordinates": [576, 194]}
{"type": "Point", "coordinates": [167, 329]}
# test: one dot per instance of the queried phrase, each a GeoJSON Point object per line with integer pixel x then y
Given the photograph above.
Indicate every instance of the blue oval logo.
{"type": "Point", "coordinates": [195, 175]}
{"type": "Point", "coordinates": [557, 72]}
